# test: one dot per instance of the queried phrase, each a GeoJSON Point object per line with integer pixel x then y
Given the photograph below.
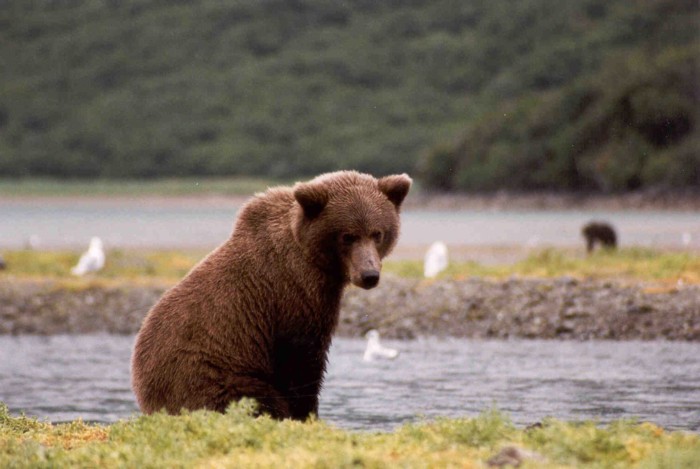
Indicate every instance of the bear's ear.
{"type": "Point", "coordinates": [312, 198]}
{"type": "Point", "coordinates": [395, 187]}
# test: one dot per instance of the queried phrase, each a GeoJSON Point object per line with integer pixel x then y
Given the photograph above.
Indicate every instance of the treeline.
{"type": "Point", "coordinates": [477, 95]}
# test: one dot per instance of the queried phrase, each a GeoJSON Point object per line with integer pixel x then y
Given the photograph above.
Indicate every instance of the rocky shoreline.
{"type": "Point", "coordinates": [563, 308]}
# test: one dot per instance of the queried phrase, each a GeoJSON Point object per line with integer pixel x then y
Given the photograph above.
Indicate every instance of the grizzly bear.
{"type": "Point", "coordinates": [599, 232]}
{"type": "Point", "coordinates": [255, 317]}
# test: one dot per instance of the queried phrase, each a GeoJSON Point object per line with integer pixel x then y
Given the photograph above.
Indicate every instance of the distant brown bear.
{"type": "Point", "coordinates": [599, 232]}
{"type": "Point", "coordinates": [255, 317]}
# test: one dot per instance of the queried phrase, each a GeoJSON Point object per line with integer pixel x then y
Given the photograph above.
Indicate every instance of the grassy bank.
{"type": "Point", "coordinates": [206, 439]}
{"type": "Point", "coordinates": [632, 264]}
{"type": "Point", "coordinates": [629, 264]}
{"type": "Point", "coordinates": [121, 264]}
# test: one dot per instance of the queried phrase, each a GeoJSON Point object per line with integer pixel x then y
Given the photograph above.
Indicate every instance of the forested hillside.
{"type": "Point", "coordinates": [471, 95]}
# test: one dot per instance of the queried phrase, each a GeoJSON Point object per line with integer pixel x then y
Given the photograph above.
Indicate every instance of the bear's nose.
{"type": "Point", "coordinates": [370, 278]}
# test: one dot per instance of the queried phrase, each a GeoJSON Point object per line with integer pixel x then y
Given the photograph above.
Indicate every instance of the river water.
{"type": "Point", "coordinates": [166, 224]}
{"type": "Point", "coordinates": [65, 377]}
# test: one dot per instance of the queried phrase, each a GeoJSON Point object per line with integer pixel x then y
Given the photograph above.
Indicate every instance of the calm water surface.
{"type": "Point", "coordinates": [65, 377]}
{"type": "Point", "coordinates": [167, 225]}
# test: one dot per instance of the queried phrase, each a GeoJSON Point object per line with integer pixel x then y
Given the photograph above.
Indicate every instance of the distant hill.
{"type": "Point", "coordinates": [475, 95]}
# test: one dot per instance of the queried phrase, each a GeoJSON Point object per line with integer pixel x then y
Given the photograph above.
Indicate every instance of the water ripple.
{"type": "Point", "coordinates": [61, 378]}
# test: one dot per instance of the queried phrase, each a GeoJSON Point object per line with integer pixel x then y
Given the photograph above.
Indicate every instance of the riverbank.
{"type": "Point", "coordinates": [402, 308]}
{"type": "Point", "coordinates": [235, 439]}
{"type": "Point", "coordinates": [558, 308]}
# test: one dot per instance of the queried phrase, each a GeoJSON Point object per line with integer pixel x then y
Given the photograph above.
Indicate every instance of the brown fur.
{"type": "Point", "coordinates": [255, 317]}
{"type": "Point", "coordinates": [599, 232]}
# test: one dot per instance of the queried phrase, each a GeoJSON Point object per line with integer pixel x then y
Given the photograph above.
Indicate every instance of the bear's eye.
{"type": "Point", "coordinates": [377, 236]}
{"type": "Point", "coordinates": [347, 239]}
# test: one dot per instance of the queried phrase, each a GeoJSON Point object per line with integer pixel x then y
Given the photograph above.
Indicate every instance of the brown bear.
{"type": "Point", "coordinates": [599, 232]}
{"type": "Point", "coordinates": [255, 317]}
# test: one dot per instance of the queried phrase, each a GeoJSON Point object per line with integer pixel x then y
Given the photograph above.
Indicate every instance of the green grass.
{"type": "Point", "coordinates": [191, 186]}
{"type": "Point", "coordinates": [120, 264]}
{"type": "Point", "coordinates": [634, 264]}
{"type": "Point", "coordinates": [236, 439]}
{"type": "Point", "coordinates": [623, 264]}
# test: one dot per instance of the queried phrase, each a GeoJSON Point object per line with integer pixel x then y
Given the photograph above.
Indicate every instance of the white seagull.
{"type": "Point", "coordinates": [686, 238]}
{"type": "Point", "coordinates": [435, 259]}
{"type": "Point", "coordinates": [92, 260]}
{"type": "Point", "coordinates": [32, 242]}
{"type": "Point", "coordinates": [375, 350]}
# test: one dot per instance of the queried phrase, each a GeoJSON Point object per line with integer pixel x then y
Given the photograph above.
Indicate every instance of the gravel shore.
{"type": "Point", "coordinates": [563, 308]}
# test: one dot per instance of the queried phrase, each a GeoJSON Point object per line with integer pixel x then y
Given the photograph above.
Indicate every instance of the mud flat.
{"type": "Point", "coordinates": [560, 308]}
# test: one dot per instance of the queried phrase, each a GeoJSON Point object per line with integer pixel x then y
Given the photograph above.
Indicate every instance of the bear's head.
{"type": "Point", "coordinates": [347, 222]}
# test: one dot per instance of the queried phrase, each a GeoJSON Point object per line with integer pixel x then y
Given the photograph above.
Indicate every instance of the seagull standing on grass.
{"type": "Point", "coordinates": [435, 259]}
{"type": "Point", "coordinates": [32, 242]}
{"type": "Point", "coordinates": [375, 350]}
{"type": "Point", "coordinates": [92, 260]}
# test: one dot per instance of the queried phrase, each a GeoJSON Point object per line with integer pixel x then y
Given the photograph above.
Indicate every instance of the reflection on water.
{"type": "Point", "coordinates": [66, 377]}
{"type": "Point", "coordinates": [129, 223]}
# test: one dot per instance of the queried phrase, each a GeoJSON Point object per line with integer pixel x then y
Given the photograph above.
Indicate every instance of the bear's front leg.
{"type": "Point", "coordinates": [303, 400]}
{"type": "Point", "coordinates": [270, 400]}
{"type": "Point", "coordinates": [302, 373]}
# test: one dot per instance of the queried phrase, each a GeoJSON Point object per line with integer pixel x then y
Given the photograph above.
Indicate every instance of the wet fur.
{"type": "Point", "coordinates": [256, 316]}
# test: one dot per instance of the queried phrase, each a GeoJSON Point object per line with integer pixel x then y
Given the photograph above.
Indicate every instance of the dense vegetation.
{"type": "Point", "coordinates": [208, 439]}
{"type": "Point", "coordinates": [477, 95]}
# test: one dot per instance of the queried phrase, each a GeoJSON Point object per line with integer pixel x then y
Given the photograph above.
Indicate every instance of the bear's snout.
{"type": "Point", "coordinates": [364, 264]}
{"type": "Point", "coordinates": [369, 279]}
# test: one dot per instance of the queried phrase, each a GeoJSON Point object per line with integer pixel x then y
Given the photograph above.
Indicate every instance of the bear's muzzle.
{"type": "Point", "coordinates": [365, 264]}
{"type": "Point", "coordinates": [369, 279]}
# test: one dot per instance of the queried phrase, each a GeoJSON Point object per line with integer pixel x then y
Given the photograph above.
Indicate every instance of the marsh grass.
{"type": "Point", "coordinates": [236, 439]}
{"type": "Point", "coordinates": [633, 264]}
